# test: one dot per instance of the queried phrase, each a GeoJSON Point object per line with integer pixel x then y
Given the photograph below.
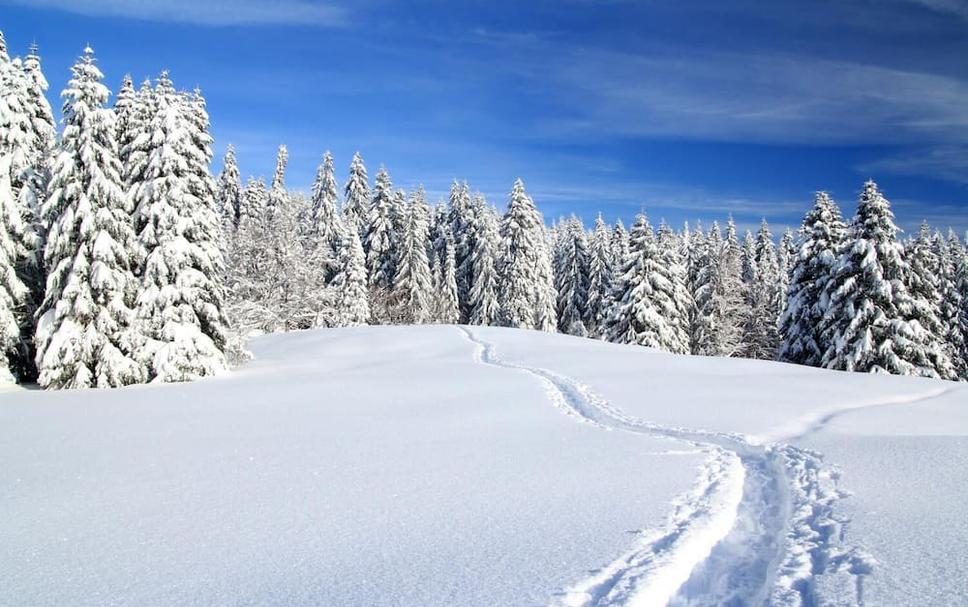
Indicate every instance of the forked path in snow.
{"type": "Point", "coordinates": [758, 528]}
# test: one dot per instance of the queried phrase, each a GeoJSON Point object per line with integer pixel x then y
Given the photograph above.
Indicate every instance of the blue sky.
{"type": "Point", "coordinates": [688, 109]}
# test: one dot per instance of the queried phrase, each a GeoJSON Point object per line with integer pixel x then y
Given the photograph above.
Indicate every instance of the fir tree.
{"type": "Point", "coordinates": [254, 202]}
{"type": "Point", "coordinates": [821, 238]}
{"type": "Point", "coordinates": [278, 196]}
{"type": "Point", "coordinates": [413, 282]}
{"type": "Point", "coordinates": [951, 301]}
{"type": "Point", "coordinates": [923, 282]}
{"type": "Point", "coordinates": [42, 138]}
{"type": "Point", "coordinates": [85, 337]}
{"type": "Point", "coordinates": [17, 238]}
{"type": "Point", "coordinates": [484, 290]}
{"type": "Point", "coordinates": [763, 295]}
{"type": "Point", "coordinates": [620, 246]}
{"type": "Point", "coordinates": [526, 278]}
{"type": "Point", "coordinates": [463, 227]}
{"type": "Point", "coordinates": [599, 278]}
{"type": "Point", "coordinates": [325, 223]}
{"type": "Point", "coordinates": [573, 279]}
{"type": "Point", "coordinates": [180, 302]}
{"type": "Point", "coordinates": [379, 240]}
{"type": "Point", "coordinates": [356, 206]}
{"type": "Point", "coordinates": [648, 296]}
{"type": "Point", "coordinates": [352, 296]}
{"type": "Point", "coordinates": [718, 296]}
{"type": "Point", "coordinates": [447, 311]}
{"type": "Point", "coordinates": [229, 198]}
{"type": "Point", "coordinates": [866, 325]}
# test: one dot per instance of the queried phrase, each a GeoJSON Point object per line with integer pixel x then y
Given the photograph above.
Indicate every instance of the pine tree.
{"type": "Point", "coordinates": [447, 311]}
{"type": "Point", "coordinates": [786, 253]}
{"type": "Point", "coordinates": [960, 328]}
{"type": "Point", "coordinates": [821, 238]}
{"type": "Point", "coordinates": [278, 196]}
{"type": "Point", "coordinates": [180, 303]}
{"type": "Point", "coordinates": [352, 296]}
{"type": "Point", "coordinates": [378, 244]}
{"type": "Point", "coordinates": [229, 198]}
{"type": "Point", "coordinates": [86, 337]}
{"type": "Point", "coordinates": [573, 279]}
{"type": "Point", "coordinates": [17, 238]}
{"type": "Point", "coordinates": [599, 278]}
{"type": "Point", "coordinates": [923, 282]}
{"type": "Point", "coordinates": [356, 206]}
{"type": "Point", "coordinates": [134, 139]}
{"type": "Point", "coordinates": [463, 227]}
{"type": "Point", "coordinates": [42, 138]}
{"type": "Point", "coordinates": [413, 283]}
{"type": "Point", "coordinates": [484, 290]}
{"type": "Point", "coordinates": [718, 295]}
{"type": "Point", "coordinates": [866, 325]}
{"type": "Point", "coordinates": [326, 225]}
{"type": "Point", "coordinates": [526, 277]}
{"type": "Point", "coordinates": [648, 296]}
{"type": "Point", "coordinates": [951, 301]}
{"type": "Point", "coordinates": [762, 276]}
{"type": "Point", "coordinates": [620, 247]}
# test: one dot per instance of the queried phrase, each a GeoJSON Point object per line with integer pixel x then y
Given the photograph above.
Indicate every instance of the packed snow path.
{"type": "Point", "coordinates": [758, 528]}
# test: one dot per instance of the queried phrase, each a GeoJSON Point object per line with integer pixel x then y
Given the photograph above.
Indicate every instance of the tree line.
{"type": "Point", "coordinates": [123, 260]}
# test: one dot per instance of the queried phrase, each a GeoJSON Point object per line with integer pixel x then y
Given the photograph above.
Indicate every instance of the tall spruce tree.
{"type": "Point", "coordinates": [950, 299]}
{"type": "Point", "coordinates": [763, 295]}
{"type": "Point", "coordinates": [229, 200]}
{"type": "Point", "coordinates": [352, 295]}
{"type": "Point", "coordinates": [526, 292]}
{"type": "Point", "coordinates": [86, 336]}
{"type": "Point", "coordinates": [326, 227]}
{"type": "Point", "coordinates": [867, 327]}
{"type": "Point", "coordinates": [599, 278]}
{"type": "Point", "coordinates": [484, 290]}
{"type": "Point", "coordinates": [647, 309]}
{"type": "Point", "coordinates": [446, 307]}
{"type": "Point", "coordinates": [573, 279]}
{"type": "Point", "coordinates": [18, 240]}
{"type": "Point", "coordinates": [821, 238]}
{"type": "Point", "coordinates": [180, 303]}
{"type": "Point", "coordinates": [413, 283]}
{"type": "Point", "coordinates": [379, 240]}
{"type": "Point", "coordinates": [356, 201]}
{"type": "Point", "coordinates": [923, 282]}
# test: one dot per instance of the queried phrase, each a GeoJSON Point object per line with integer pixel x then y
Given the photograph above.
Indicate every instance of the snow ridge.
{"type": "Point", "coordinates": [758, 528]}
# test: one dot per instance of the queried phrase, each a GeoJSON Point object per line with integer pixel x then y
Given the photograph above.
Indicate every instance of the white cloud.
{"type": "Point", "coordinates": [203, 12]}
{"type": "Point", "coordinates": [944, 162]}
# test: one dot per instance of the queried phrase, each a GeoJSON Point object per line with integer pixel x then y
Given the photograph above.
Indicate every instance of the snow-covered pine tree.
{"type": "Point", "coordinates": [86, 336]}
{"type": "Point", "coordinates": [484, 290]}
{"type": "Point", "coordinates": [526, 277]}
{"type": "Point", "coordinates": [959, 256]}
{"type": "Point", "coordinates": [647, 295]}
{"type": "Point", "coordinates": [718, 295]}
{"type": "Point", "coordinates": [762, 276]}
{"type": "Point", "coordinates": [134, 139]}
{"type": "Point", "coordinates": [356, 201]}
{"type": "Point", "coordinates": [923, 285]}
{"type": "Point", "coordinates": [42, 138]}
{"type": "Point", "coordinates": [326, 226]}
{"type": "Point", "coordinates": [866, 324]}
{"type": "Point", "coordinates": [821, 238]}
{"type": "Point", "coordinates": [573, 279]}
{"type": "Point", "coordinates": [378, 245]}
{"type": "Point", "coordinates": [463, 225]}
{"type": "Point", "coordinates": [180, 303]}
{"type": "Point", "coordinates": [620, 247]}
{"type": "Point", "coordinates": [445, 288]}
{"type": "Point", "coordinates": [599, 278]}
{"type": "Point", "coordinates": [673, 262]}
{"type": "Point", "coordinates": [413, 283]}
{"type": "Point", "coordinates": [278, 196]}
{"type": "Point", "coordinates": [18, 240]}
{"type": "Point", "coordinates": [352, 295]}
{"type": "Point", "coordinates": [229, 200]}
{"type": "Point", "coordinates": [950, 299]}
{"type": "Point", "coordinates": [786, 253]}
{"type": "Point", "coordinates": [125, 119]}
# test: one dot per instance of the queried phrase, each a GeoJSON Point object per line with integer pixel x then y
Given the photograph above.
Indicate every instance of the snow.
{"type": "Point", "coordinates": [443, 465]}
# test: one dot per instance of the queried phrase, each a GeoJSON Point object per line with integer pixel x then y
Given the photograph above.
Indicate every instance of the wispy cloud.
{"type": "Point", "coordinates": [959, 8]}
{"type": "Point", "coordinates": [205, 12]}
{"type": "Point", "coordinates": [761, 98]}
{"type": "Point", "coordinates": [945, 162]}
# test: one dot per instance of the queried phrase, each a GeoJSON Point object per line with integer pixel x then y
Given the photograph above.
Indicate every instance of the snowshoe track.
{"type": "Point", "coordinates": [758, 528]}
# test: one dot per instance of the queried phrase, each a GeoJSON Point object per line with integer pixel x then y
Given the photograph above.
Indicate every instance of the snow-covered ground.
{"type": "Point", "coordinates": [445, 465]}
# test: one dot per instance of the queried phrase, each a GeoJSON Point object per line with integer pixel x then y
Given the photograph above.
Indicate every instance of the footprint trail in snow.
{"type": "Point", "coordinates": [758, 528]}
